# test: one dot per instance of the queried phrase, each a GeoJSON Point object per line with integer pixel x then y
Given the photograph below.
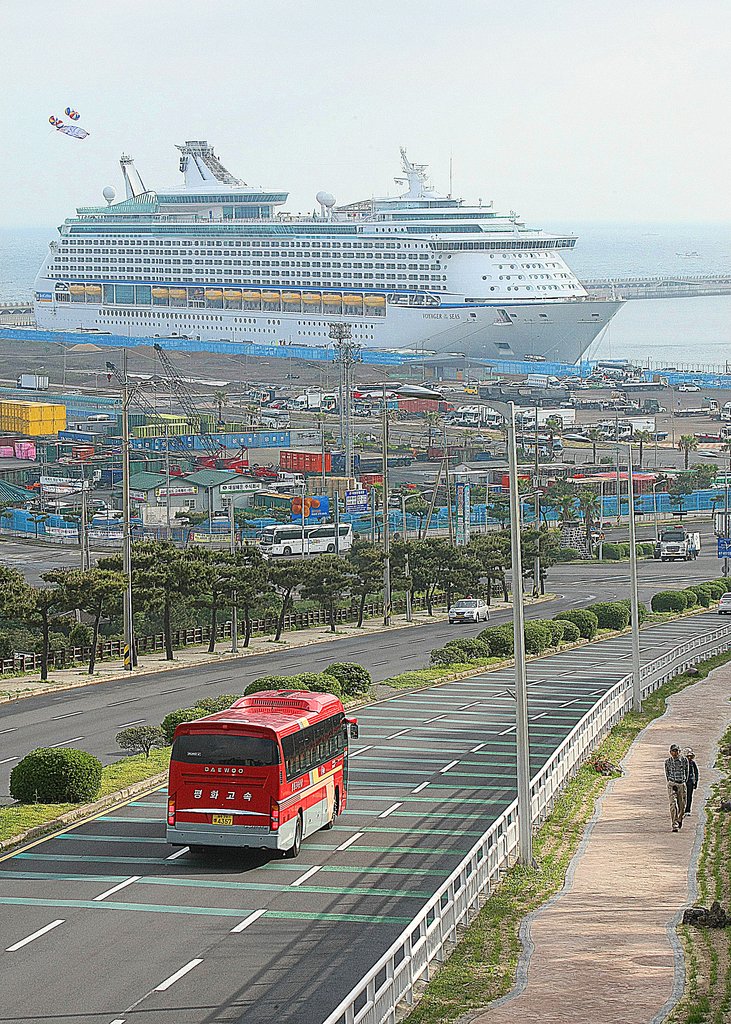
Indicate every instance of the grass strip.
{"type": "Point", "coordinates": [18, 818]}
{"type": "Point", "coordinates": [483, 965]}
{"type": "Point", "coordinates": [706, 996]}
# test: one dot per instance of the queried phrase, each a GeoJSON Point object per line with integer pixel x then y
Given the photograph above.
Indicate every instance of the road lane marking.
{"type": "Point", "coordinates": [355, 753]}
{"type": "Point", "coordinates": [127, 700]}
{"type": "Point", "coordinates": [389, 810]}
{"type": "Point", "coordinates": [447, 767]}
{"type": "Point", "coordinates": [74, 739]}
{"type": "Point", "coordinates": [35, 935]}
{"type": "Point", "coordinates": [478, 747]}
{"type": "Point", "coordinates": [4, 731]}
{"type": "Point", "coordinates": [308, 874]}
{"type": "Point", "coordinates": [506, 731]}
{"type": "Point", "coordinates": [472, 705]}
{"type": "Point", "coordinates": [542, 715]}
{"type": "Point", "coordinates": [243, 925]}
{"type": "Point", "coordinates": [178, 853]}
{"type": "Point", "coordinates": [126, 725]}
{"type": "Point", "coordinates": [165, 985]}
{"type": "Point", "coordinates": [349, 842]}
{"type": "Point", "coordinates": [69, 714]}
{"type": "Point", "coordinates": [116, 888]}
{"type": "Point", "coordinates": [397, 734]}
{"type": "Point", "coordinates": [119, 1020]}
{"type": "Point", "coordinates": [438, 718]}
{"type": "Point", "coordinates": [7, 760]}
{"type": "Point", "coordinates": [175, 689]}
{"type": "Point", "coordinates": [419, 788]}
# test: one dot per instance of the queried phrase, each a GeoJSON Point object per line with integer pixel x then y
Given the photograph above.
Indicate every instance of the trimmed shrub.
{"type": "Point", "coordinates": [718, 588]}
{"type": "Point", "coordinates": [586, 621]}
{"type": "Point", "coordinates": [80, 635]}
{"type": "Point", "coordinates": [611, 614]}
{"type": "Point", "coordinates": [469, 648]}
{"type": "Point", "coordinates": [570, 631]}
{"type": "Point", "coordinates": [140, 739]}
{"type": "Point", "coordinates": [669, 601]}
{"type": "Point", "coordinates": [319, 682]}
{"type": "Point", "coordinates": [352, 677]}
{"type": "Point", "coordinates": [642, 609]}
{"type": "Point", "coordinates": [210, 705]}
{"type": "Point", "coordinates": [273, 683]}
{"type": "Point", "coordinates": [690, 597]}
{"type": "Point", "coordinates": [568, 555]}
{"type": "Point", "coordinates": [704, 594]}
{"type": "Point", "coordinates": [442, 658]}
{"type": "Point", "coordinates": [646, 549]}
{"type": "Point", "coordinates": [500, 639]}
{"type": "Point", "coordinates": [558, 628]}
{"type": "Point", "coordinates": [611, 552]}
{"type": "Point", "coordinates": [176, 718]}
{"type": "Point", "coordinates": [61, 775]}
{"type": "Point", "coordinates": [537, 636]}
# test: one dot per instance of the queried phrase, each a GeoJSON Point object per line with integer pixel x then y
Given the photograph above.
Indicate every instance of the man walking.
{"type": "Point", "coordinates": [676, 773]}
{"type": "Point", "coordinates": [692, 783]}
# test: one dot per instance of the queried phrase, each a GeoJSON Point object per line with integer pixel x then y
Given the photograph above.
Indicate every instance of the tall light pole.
{"type": "Point", "coordinates": [126, 526]}
{"type": "Point", "coordinates": [234, 609]}
{"type": "Point", "coordinates": [634, 602]}
{"type": "Point", "coordinates": [525, 831]}
{"type": "Point", "coordinates": [386, 524]}
{"type": "Point", "coordinates": [347, 355]}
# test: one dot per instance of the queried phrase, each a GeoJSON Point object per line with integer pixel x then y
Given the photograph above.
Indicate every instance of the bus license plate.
{"type": "Point", "coordinates": [223, 819]}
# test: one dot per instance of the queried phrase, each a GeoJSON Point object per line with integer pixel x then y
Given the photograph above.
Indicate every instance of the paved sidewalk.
{"type": "Point", "coordinates": [602, 950]}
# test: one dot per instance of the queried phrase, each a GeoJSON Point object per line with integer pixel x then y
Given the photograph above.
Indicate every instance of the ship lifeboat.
{"type": "Point", "coordinates": [375, 300]}
{"type": "Point", "coordinates": [160, 293]}
{"type": "Point", "coordinates": [292, 297]}
{"type": "Point", "coordinates": [77, 289]}
{"type": "Point", "coordinates": [353, 300]}
{"type": "Point", "coordinates": [252, 296]}
{"type": "Point", "coordinates": [93, 290]}
{"type": "Point", "coordinates": [329, 299]}
{"type": "Point", "coordinates": [178, 293]}
{"type": "Point", "coordinates": [232, 294]}
{"type": "Point", "coordinates": [214, 293]}
{"type": "Point", "coordinates": [270, 296]}
{"type": "Point", "coordinates": [311, 298]}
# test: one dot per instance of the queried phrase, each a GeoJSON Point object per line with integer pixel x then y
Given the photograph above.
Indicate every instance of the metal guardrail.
{"type": "Point", "coordinates": [390, 985]}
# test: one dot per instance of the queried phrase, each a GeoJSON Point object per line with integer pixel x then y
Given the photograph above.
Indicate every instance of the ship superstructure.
{"type": "Point", "coordinates": [217, 259]}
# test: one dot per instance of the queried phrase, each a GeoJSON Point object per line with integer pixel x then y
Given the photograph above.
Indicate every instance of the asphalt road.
{"type": "Point", "coordinates": [100, 926]}
{"type": "Point", "coordinates": [90, 717]}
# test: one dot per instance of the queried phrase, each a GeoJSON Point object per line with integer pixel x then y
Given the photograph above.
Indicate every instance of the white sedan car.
{"type": "Point", "coordinates": [469, 609]}
{"type": "Point", "coordinates": [689, 387]}
{"type": "Point", "coordinates": [724, 605]}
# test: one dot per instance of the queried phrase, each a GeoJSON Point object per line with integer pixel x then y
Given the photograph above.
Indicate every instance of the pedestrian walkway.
{"type": "Point", "coordinates": [604, 949]}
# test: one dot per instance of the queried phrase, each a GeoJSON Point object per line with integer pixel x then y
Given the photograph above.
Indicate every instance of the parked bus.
{"type": "Point", "coordinates": [287, 540]}
{"type": "Point", "coordinates": [264, 774]}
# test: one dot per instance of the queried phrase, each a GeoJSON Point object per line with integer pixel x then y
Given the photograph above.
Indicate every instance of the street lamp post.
{"type": "Point", "coordinates": [234, 609]}
{"type": "Point", "coordinates": [386, 524]}
{"type": "Point", "coordinates": [654, 509]}
{"type": "Point", "coordinates": [634, 602]}
{"type": "Point", "coordinates": [126, 526]}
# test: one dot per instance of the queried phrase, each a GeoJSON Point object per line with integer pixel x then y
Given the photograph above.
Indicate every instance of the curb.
{"type": "Point", "coordinates": [85, 811]}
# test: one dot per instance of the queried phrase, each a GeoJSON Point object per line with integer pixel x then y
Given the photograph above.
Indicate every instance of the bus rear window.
{"type": "Point", "coordinates": [220, 748]}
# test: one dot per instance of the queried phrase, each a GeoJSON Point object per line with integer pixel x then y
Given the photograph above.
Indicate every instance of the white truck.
{"type": "Point", "coordinates": [526, 418]}
{"type": "Point", "coordinates": [475, 416]}
{"type": "Point", "coordinates": [678, 545]}
{"type": "Point", "coordinates": [316, 401]}
{"type": "Point", "coordinates": [33, 382]}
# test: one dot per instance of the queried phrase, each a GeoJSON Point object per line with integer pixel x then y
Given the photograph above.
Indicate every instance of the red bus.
{"type": "Point", "coordinates": [264, 774]}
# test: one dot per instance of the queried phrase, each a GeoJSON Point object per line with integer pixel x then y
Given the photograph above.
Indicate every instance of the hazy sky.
{"type": "Point", "coordinates": [564, 110]}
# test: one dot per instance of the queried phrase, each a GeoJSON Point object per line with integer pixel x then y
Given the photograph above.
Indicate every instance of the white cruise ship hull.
{"type": "Point", "coordinates": [560, 331]}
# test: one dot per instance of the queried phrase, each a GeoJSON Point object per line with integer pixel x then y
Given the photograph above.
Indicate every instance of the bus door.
{"type": "Point", "coordinates": [350, 727]}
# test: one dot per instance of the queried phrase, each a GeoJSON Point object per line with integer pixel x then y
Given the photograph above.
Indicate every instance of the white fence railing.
{"type": "Point", "coordinates": [390, 985]}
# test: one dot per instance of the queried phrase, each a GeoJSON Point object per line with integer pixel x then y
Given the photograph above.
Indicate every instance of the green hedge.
{"type": "Point", "coordinates": [570, 631]}
{"type": "Point", "coordinates": [558, 630]}
{"type": "Point", "coordinates": [353, 679]}
{"type": "Point", "coordinates": [611, 614]}
{"type": "Point", "coordinates": [176, 718]}
{"type": "Point", "coordinates": [691, 597]}
{"type": "Point", "coordinates": [586, 621]}
{"type": "Point", "coordinates": [60, 775]}
{"type": "Point", "coordinates": [500, 639]}
{"type": "Point", "coordinates": [669, 601]}
{"type": "Point", "coordinates": [537, 636]}
{"type": "Point", "coordinates": [568, 555]}
{"type": "Point", "coordinates": [611, 552]}
{"type": "Point", "coordinates": [210, 705]}
{"type": "Point", "coordinates": [703, 593]}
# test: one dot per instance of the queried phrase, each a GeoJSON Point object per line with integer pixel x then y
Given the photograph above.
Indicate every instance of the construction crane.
{"type": "Point", "coordinates": [187, 401]}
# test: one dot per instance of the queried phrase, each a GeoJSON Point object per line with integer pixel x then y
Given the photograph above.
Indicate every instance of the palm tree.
{"type": "Point", "coordinates": [588, 502]}
{"type": "Point", "coordinates": [687, 444]}
{"type": "Point", "coordinates": [432, 422]}
{"type": "Point", "coordinates": [642, 437]}
{"type": "Point", "coordinates": [220, 398]}
{"type": "Point", "coordinates": [594, 434]}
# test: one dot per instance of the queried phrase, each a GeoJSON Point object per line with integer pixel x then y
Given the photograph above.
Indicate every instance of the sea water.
{"type": "Point", "coordinates": [661, 332]}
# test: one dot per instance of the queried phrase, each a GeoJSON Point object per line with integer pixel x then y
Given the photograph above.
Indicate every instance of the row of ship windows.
{"type": "Point", "coordinates": [189, 320]}
{"type": "Point", "coordinates": [287, 280]}
{"type": "Point", "coordinates": [229, 279]}
{"type": "Point", "coordinates": [105, 260]}
{"type": "Point", "coordinates": [262, 243]}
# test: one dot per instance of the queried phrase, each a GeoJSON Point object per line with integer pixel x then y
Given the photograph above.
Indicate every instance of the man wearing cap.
{"type": "Point", "coordinates": [692, 783]}
{"type": "Point", "coordinates": [676, 773]}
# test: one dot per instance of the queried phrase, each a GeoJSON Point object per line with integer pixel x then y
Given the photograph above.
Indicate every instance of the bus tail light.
{"type": "Point", "coordinates": [171, 810]}
{"type": "Point", "coordinates": [274, 816]}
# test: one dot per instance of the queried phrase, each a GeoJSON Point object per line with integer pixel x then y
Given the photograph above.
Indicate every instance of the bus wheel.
{"type": "Point", "coordinates": [296, 846]}
{"type": "Point", "coordinates": [336, 811]}
{"type": "Point", "coordinates": [331, 549]}
{"type": "Point", "coordinates": [287, 551]}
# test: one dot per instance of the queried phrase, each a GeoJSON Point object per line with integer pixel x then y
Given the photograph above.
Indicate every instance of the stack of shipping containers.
{"type": "Point", "coordinates": [36, 419]}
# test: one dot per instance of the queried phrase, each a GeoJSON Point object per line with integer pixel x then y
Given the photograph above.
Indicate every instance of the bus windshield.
{"type": "Point", "coordinates": [219, 748]}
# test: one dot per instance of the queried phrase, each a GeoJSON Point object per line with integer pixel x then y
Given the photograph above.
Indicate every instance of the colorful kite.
{"type": "Point", "coordinates": [68, 129]}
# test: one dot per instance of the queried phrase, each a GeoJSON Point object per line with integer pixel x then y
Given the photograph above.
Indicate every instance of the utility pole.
{"type": "Point", "coordinates": [386, 531]}
{"type": "Point", "coordinates": [167, 482]}
{"type": "Point", "coordinates": [406, 565]}
{"type": "Point", "coordinates": [302, 518]}
{"type": "Point", "coordinates": [82, 524]}
{"type": "Point", "coordinates": [634, 601]}
{"type": "Point", "coordinates": [348, 352]}
{"type": "Point", "coordinates": [234, 610]}
{"type": "Point", "coordinates": [126, 527]}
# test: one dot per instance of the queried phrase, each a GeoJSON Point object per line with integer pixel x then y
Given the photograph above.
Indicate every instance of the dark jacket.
{"type": "Point", "coordinates": [692, 774]}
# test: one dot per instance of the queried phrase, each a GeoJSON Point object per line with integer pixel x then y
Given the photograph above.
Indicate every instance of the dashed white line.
{"type": "Point", "coordinates": [308, 874]}
{"type": "Point", "coordinates": [127, 700]}
{"type": "Point", "coordinates": [478, 747]}
{"type": "Point", "coordinates": [178, 853]}
{"type": "Point", "coordinates": [34, 935]}
{"type": "Point", "coordinates": [178, 975]}
{"type": "Point", "coordinates": [126, 725]}
{"type": "Point", "coordinates": [542, 715]}
{"type": "Point", "coordinates": [389, 810]}
{"type": "Point", "coordinates": [4, 731]}
{"type": "Point", "coordinates": [472, 705]}
{"type": "Point", "coordinates": [349, 842]}
{"type": "Point", "coordinates": [506, 731]}
{"type": "Point", "coordinates": [447, 767]}
{"type": "Point", "coordinates": [360, 750]}
{"type": "Point", "coordinates": [7, 760]}
{"type": "Point", "coordinates": [119, 1020]}
{"type": "Point", "coordinates": [243, 925]}
{"type": "Point", "coordinates": [419, 788]}
{"type": "Point", "coordinates": [397, 734]}
{"type": "Point", "coordinates": [437, 719]}
{"type": "Point", "coordinates": [116, 888]}
{"type": "Point", "coordinates": [69, 714]}
{"type": "Point", "coordinates": [73, 739]}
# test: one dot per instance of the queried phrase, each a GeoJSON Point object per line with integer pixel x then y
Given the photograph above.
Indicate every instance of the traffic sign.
{"type": "Point", "coordinates": [356, 501]}
{"type": "Point", "coordinates": [724, 547]}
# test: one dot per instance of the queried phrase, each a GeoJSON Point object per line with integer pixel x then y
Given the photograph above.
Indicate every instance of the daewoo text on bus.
{"type": "Point", "coordinates": [264, 774]}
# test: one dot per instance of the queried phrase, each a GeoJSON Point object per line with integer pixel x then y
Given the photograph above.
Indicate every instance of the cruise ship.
{"type": "Point", "coordinates": [215, 259]}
